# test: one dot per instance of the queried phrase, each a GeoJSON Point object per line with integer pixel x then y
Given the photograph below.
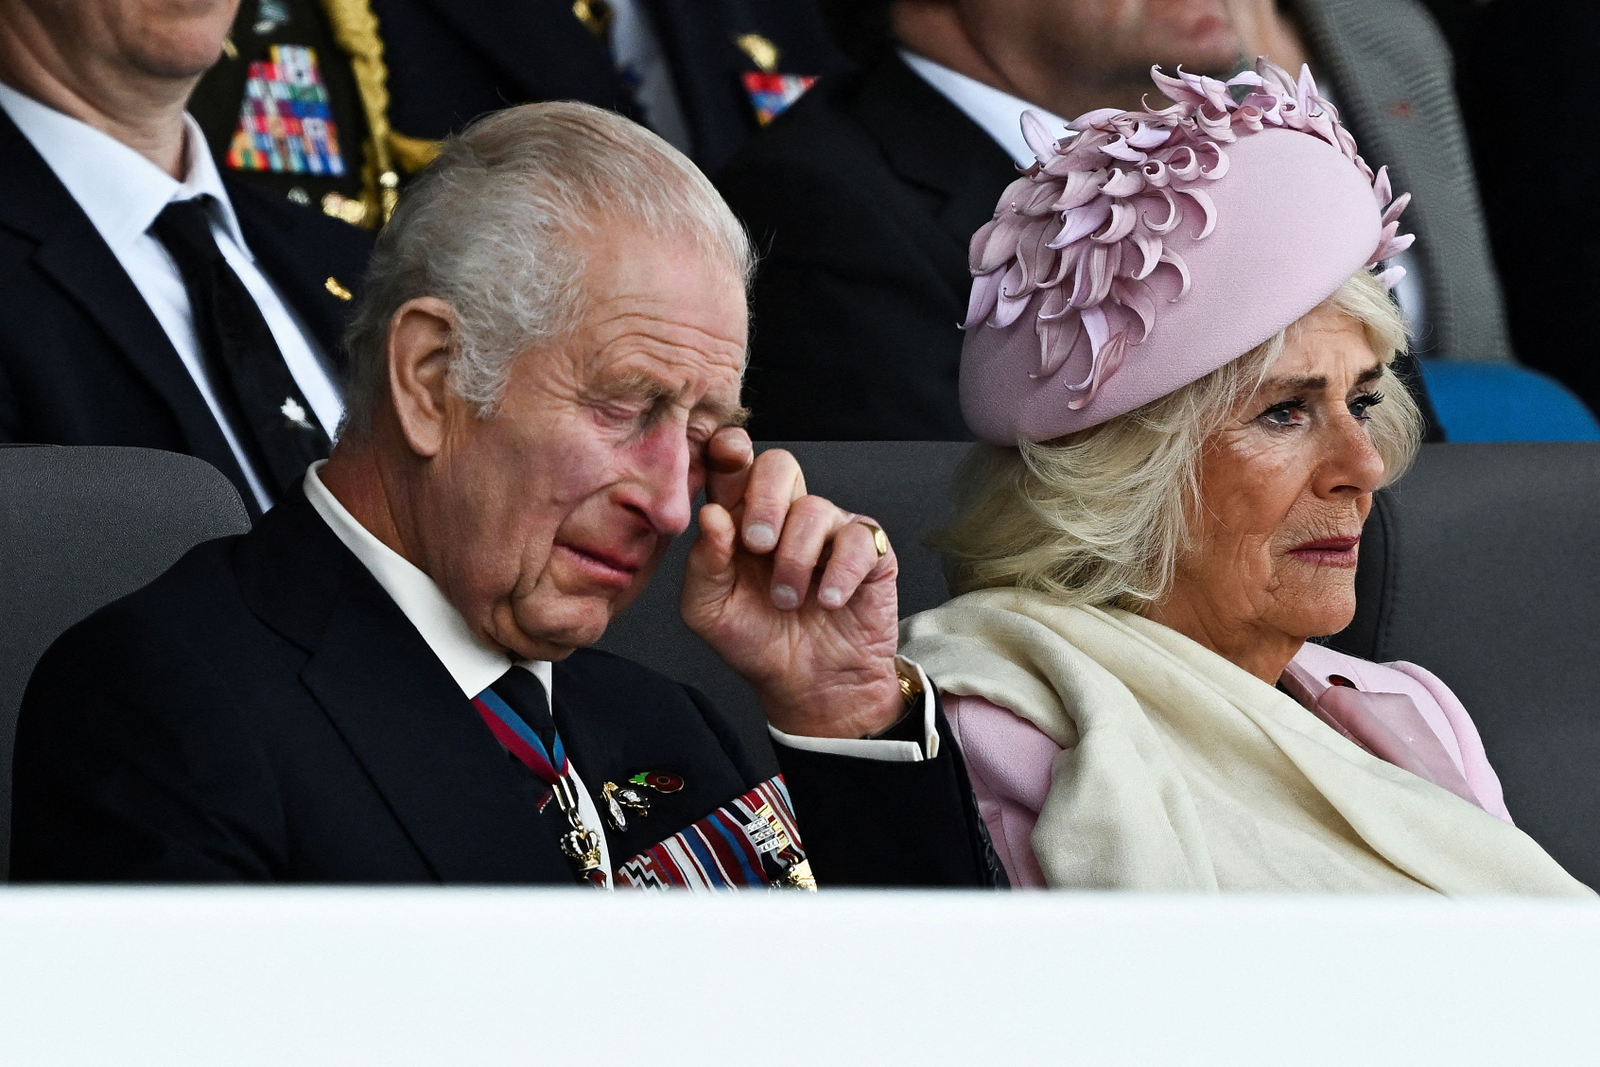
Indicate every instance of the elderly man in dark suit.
{"type": "Point", "coordinates": [388, 679]}
{"type": "Point", "coordinates": [863, 196]}
{"type": "Point", "coordinates": [147, 300]}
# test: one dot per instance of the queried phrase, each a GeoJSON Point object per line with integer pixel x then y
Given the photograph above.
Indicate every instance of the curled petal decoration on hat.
{"type": "Point", "coordinates": [1084, 225]}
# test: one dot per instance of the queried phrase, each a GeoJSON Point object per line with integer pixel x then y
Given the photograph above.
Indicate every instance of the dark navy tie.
{"type": "Point", "coordinates": [269, 415]}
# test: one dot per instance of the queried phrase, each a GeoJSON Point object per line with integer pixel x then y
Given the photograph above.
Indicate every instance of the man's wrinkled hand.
{"type": "Point", "coordinates": [791, 592]}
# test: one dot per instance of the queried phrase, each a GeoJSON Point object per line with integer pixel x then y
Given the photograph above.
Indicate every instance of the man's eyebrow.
{"type": "Point", "coordinates": [737, 415]}
{"type": "Point", "coordinates": [647, 387]}
{"type": "Point", "coordinates": [642, 386]}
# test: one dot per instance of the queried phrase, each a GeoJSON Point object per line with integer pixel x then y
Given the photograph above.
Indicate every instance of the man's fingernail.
{"type": "Point", "coordinates": [830, 597]}
{"type": "Point", "coordinates": [785, 598]}
{"type": "Point", "coordinates": [760, 535]}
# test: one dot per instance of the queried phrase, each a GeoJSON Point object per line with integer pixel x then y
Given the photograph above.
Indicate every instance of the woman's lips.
{"type": "Point", "coordinates": [601, 567]}
{"type": "Point", "coordinates": [1328, 551]}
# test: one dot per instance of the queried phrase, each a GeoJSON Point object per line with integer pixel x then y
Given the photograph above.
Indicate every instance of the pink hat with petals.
{"type": "Point", "coordinates": [1148, 248]}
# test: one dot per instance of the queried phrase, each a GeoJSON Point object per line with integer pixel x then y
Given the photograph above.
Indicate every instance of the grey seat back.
{"type": "Point", "coordinates": [902, 485]}
{"type": "Point", "coordinates": [1483, 565]}
{"type": "Point", "coordinates": [80, 527]}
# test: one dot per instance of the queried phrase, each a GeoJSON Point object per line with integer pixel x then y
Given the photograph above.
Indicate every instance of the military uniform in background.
{"type": "Point", "coordinates": [302, 101]}
{"type": "Point", "coordinates": [297, 106]}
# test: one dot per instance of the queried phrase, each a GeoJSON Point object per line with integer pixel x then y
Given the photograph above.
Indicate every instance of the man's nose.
{"type": "Point", "coordinates": [659, 489]}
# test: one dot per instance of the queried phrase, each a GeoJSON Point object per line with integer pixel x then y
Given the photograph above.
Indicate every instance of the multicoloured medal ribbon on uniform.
{"type": "Point", "coordinates": [751, 842]}
{"type": "Point", "coordinates": [579, 844]}
{"type": "Point", "coordinates": [285, 120]}
{"type": "Point", "coordinates": [772, 93]}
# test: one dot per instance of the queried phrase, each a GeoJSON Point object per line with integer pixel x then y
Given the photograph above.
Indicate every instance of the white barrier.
{"type": "Point", "coordinates": [489, 977]}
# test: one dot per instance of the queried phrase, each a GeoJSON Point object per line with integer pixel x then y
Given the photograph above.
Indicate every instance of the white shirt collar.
{"type": "Point", "coordinates": [120, 190]}
{"type": "Point", "coordinates": [998, 113]}
{"type": "Point", "coordinates": [474, 666]}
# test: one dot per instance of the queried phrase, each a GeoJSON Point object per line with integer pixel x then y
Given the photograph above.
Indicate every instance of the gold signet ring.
{"type": "Point", "coordinates": [880, 540]}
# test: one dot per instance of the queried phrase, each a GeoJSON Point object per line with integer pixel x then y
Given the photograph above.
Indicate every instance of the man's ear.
{"type": "Point", "coordinates": [420, 335]}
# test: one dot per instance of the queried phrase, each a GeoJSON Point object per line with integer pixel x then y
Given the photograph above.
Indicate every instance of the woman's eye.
{"type": "Point", "coordinates": [1288, 413]}
{"type": "Point", "coordinates": [1361, 407]}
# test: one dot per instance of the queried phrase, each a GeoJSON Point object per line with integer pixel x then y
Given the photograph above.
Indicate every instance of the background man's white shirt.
{"type": "Point", "coordinates": [122, 192]}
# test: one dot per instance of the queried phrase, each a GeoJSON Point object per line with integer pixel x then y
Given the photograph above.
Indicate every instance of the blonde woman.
{"type": "Point", "coordinates": [1179, 353]}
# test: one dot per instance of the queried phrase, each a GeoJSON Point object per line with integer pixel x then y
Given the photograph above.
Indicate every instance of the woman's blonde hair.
{"type": "Point", "coordinates": [1101, 517]}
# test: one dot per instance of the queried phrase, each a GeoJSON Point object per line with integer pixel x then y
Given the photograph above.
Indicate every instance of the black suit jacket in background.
{"type": "Point", "coordinates": [83, 360]}
{"type": "Point", "coordinates": [264, 712]}
{"type": "Point", "coordinates": [453, 60]}
{"type": "Point", "coordinates": [862, 199]}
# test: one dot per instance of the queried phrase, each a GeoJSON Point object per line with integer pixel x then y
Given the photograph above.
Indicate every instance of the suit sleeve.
{"type": "Point", "coordinates": [129, 767]}
{"type": "Point", "coordinates": [870, 822]}
{"type": "Point", "coordinates": [843, 301]}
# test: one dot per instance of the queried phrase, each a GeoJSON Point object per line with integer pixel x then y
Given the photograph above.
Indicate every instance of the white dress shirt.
{"type": "Point", "coordinates": [475, 667]}
{"type": "Point", "coordinates": [999, 114]}
{"type": "Point", "coordinates": [122, 192]}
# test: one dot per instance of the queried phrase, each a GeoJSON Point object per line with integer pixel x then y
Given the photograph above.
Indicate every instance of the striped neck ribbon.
{"type": "Point", "coordinates": [579, 844]}
{"type": "Point", "coordinates": [518, 737]}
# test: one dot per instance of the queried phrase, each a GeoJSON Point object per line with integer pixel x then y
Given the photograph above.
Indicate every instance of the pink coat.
{"type": "Point", "coordinates": [1397, 711]}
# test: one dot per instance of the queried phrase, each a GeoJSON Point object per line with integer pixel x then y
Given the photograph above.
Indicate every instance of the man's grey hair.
{"type": "Point", "coordinates": [494, 228]}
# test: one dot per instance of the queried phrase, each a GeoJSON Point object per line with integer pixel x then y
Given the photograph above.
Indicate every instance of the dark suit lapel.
{"type": "Point", "coordinates": [932, 144]}
{"type": "Point", "coordinates": [470, 812]}
{"type": "Point", "coordinates": [72, 254]}
{"type": "Point", "coordinates": [571, 65]}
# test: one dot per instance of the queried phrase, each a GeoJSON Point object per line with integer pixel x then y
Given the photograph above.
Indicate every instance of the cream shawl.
{"type": "Point", "coordinates": [1181, 771]}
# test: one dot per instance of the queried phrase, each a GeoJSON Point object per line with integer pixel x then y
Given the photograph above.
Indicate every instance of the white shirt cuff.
{"type": "Point", "coordinates": [868, 748]}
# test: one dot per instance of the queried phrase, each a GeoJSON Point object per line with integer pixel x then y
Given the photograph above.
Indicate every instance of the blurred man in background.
{"type": "Point", "coordinates": [147, 300]}
{"type": "Point", "coordinates": [864, 194]}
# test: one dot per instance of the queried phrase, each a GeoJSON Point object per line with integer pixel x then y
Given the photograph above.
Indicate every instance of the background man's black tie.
{"type": "Point", "coordinates": [269, 415]}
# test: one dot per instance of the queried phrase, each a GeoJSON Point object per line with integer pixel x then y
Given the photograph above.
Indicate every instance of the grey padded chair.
{"type": "Point", "coordinates": [1483, 565]}
{"type": "Point", "coordinates": [80, 527]}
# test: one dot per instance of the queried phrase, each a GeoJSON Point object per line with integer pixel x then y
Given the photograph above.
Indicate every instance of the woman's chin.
{"type": "Point", "coordinates": [1319, 609]}
{"type": "Point", "coordinates": [1324, 620]}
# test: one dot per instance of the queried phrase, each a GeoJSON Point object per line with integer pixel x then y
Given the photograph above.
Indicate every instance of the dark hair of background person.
{"type": "Point", "coordinates": [860, 28]}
